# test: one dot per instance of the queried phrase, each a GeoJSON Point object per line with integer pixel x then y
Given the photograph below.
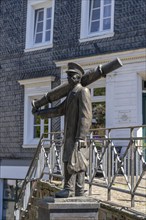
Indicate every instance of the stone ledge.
{"type": "Point", "coordinates": [74, 208]}
{"type": "Point", "coordinates": [78, 208]}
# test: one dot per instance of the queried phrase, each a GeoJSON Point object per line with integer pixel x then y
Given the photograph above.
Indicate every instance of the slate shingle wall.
{"type": "Point", "coordinates": [129, 28]}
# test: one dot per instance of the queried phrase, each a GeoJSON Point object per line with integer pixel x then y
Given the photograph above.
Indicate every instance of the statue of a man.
{"type": "Point", "coordinates": [78, 115]}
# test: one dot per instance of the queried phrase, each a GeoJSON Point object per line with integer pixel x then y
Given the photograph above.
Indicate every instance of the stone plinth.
{"type": "Point", "coordinates": [75, 208]}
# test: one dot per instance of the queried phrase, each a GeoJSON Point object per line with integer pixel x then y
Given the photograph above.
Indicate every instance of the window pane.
{"type": "Point", "coordinates": [96, 14]}
{"type": "Point", "coordinates": [38, 38]}
{"type": "Point", "coordinates": [99, 92]}
{"type": "Point", "coordinates": [37, 132]}
{"type": "Point", "coordinates": [40, 15]}
{"type": "Point", "coordinates": [96, 3]}
{"type": "Point", "coordinates": [95, 26]}
{"type": "Point", "coordinates": [106, 24]}
{"type": "Point", "coordinates": [48, 24]}
{"type": "Point", "coordinates": [107, 2]}
{"type": "Point", "coordinates": [48, 33]}
{"type": "Point", "coordinates": [49, 12]}
{"type": "Point", "coordinates": [40, 27]}
{"type": "Point", "coordinates": [46, 129]}
{"type": "Point", "coordinates": [37, 120]}
{"type": "Point", "coordinates": [46, 121]}
{"type": "Point", "coordinates": [107, 11]}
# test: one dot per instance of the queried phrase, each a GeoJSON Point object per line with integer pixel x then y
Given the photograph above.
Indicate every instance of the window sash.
{"type": "Point", "coordinates": [45, 33]}
{"type": "Point", "coordinates": [41, 129]}
{"type": "Point", "coordinates": [103, 16]}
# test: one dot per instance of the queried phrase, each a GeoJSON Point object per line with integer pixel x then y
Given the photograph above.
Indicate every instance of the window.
{"type": "Point", "coordinates": [34, 126]}
{"type": "Point", "coordinates": [39, 31]}
{"type": "Point", "coordinates": [97, 19]}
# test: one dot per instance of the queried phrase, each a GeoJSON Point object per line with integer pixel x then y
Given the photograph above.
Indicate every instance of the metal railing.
{"type": "Point", "coordinates": [105, 158]}
{"type": "Point", "coordinates": [130, 164]}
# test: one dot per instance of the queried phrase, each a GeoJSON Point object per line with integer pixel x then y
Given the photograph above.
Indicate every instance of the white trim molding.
{"type": "Point", "coordinates": [127, 57]}
{"type": "Point", "coordinates": [37, 81]}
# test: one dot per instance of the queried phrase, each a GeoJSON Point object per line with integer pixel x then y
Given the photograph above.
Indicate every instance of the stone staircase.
{"type": "Point", "coordinates": [43, 189]}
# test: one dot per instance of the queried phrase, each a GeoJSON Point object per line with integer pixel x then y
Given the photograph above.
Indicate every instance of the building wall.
{"type": "Point", "coordinates": [17, 65]}
{"type": "Point", "coordinates": [124, 92]}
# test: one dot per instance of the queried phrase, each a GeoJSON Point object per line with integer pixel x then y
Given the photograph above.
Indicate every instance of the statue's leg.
{"type": "Point", "coordinates": [69, 179]}
{"type": "Point", "coordinates": [69, 185]}
{"type": "Point", "coordinates": [80, 183]}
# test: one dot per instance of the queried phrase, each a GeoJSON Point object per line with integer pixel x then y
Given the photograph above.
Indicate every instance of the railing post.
{"type": "Point", "coordinates": [132, 167]}
{"type": "Point", "coordinates": [90, 163]}
{"type": "Point", "coordinates": [109, 166]}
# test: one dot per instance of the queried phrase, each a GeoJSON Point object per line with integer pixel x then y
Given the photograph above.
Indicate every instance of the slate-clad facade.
{"type": "Point", "coordinates": [18, 65]}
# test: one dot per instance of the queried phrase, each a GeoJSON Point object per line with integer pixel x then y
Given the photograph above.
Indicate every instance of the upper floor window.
{"type": "Point", "coordinates": [97, 18]}
{"type": "Point", "coordinates": [39, 31]}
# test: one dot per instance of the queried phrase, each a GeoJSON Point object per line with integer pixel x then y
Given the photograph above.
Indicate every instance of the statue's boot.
{"type": "Point", "coordinates": [80, 184]}
{"type": "Point", "coordinates": [64, 193]}
{"type": "Point", "coordinates": [70, 188]}
{"type": "Point", "coordinates": [69, 185]}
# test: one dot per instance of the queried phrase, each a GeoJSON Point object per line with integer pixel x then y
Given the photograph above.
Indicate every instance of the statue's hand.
{"type": "Point", "coordinates": [80, 144]}
{"type": "Point", "coordinates": [34, 109]}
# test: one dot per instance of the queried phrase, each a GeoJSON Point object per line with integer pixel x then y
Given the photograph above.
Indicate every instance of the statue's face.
{"type": "Point", "coordinates": [73, 78]}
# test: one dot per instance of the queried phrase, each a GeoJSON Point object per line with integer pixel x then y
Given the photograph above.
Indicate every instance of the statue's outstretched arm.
{"type": "Point", "coordinates": [52, 112]}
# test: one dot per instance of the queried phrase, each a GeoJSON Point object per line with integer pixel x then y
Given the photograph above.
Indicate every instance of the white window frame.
{"type": "Point", "coordinates": [34, 88]}
{"type": "Point", "coordinates": [85, 23]}
{"type": "Point", "coordinates": [30, 26]}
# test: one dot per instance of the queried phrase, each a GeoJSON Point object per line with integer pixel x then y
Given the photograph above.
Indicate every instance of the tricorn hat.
{"type": "Point", "coordinates": [75, 68]}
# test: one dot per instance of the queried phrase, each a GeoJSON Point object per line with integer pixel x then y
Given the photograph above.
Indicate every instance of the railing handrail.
{"type": "Point", "coordinates": [30, 167]}
{"type": "Point", "coordinates": [37, 151]}
{"type": "Point", "coordinates": [115, 128]}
